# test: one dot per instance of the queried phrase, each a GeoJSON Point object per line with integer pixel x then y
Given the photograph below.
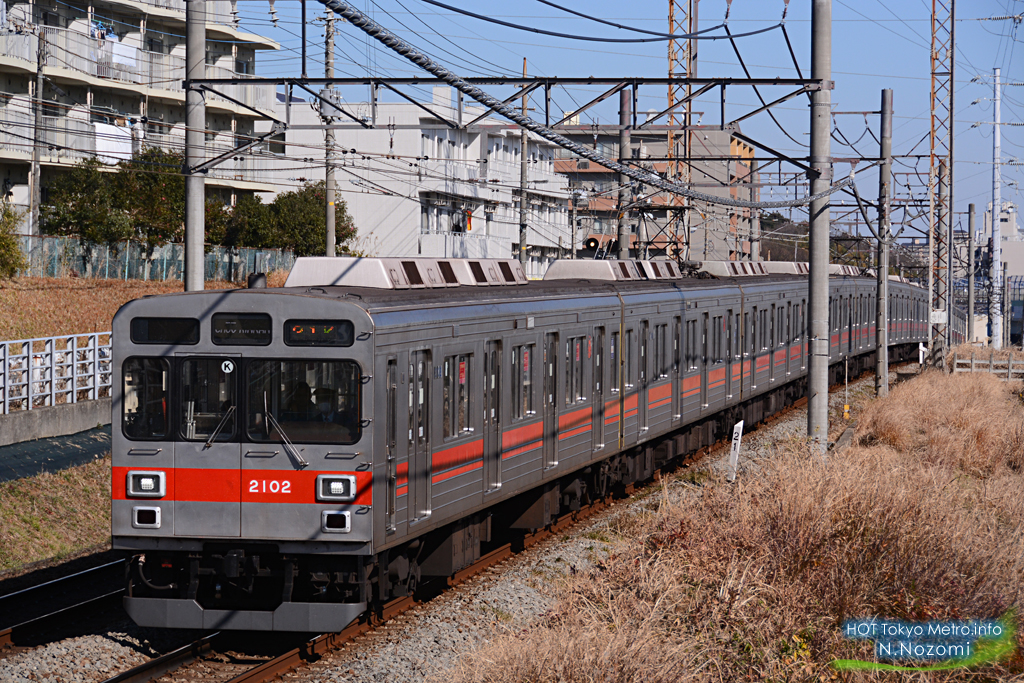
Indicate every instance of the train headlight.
{"type": "Point", "coordinates": [336, 521]}
{"type": "Point", "coordinates": [146, 484]}
{"type": "Point", "coordinates": [336, 487]}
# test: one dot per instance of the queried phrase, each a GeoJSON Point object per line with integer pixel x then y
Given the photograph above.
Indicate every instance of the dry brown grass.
{"type": "Point", "coordinates": [54, 514]}
{"type": "Point", "coordinates": [45, 307]}
{"type": "Point", "coordinates": [983, 353]}
{"type": "Point", "coordinates": [753, 581]}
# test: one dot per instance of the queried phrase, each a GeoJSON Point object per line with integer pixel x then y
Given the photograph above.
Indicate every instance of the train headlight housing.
{"type": "Point", "coordinates": [146, 484]}
{"type": "Point", "coordinates": [336, 488]}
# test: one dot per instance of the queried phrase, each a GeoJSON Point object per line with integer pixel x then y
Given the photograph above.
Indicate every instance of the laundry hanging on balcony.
{"type": "Point", "coordinates": [113, 143]}
{"type": "Point", "coordinates": [124, 54]}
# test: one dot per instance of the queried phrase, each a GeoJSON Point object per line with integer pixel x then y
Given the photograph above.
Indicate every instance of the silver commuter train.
{"type": "Point", "coordinates": [285, 459]}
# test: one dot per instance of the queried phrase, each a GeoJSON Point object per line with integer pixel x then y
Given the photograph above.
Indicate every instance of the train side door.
{"type": "Point", "coordinates": [492, 416]}
{"type": "Point", "coordinates": [729, 342]}
{"type": "Point", "coordinates": [644, 373]}
{"type": "Point", "coordinates": [676, 368]}
{"type": "Point", "coordinates": [550, 403]}
{"type": "Point", "coordinates": [419, 435]}
{"type": "Point", "coordinates": [391, 445]}
{"type": "Point", "coordinates": [599, 378]}
{"type": "Point", "coordinates": [207, 456]}
{"type": "Point", "coordinates": [704, 360]}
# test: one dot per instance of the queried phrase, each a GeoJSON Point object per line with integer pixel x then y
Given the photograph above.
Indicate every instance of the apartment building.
{"type": "Point", "coordinates": [112, 84]}
{"type": "Point", "coordinates": [416, 186]}
{"type": "Point", "coordinates": [656, 219]}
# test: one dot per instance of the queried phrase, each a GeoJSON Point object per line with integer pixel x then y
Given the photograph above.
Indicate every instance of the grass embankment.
{"type": "Point", "coordinates": [54, 515]}
{"type": "Point", "coordinates": [47, 307]}
{"type": "Point", "coordinates": [920, 520]}
{"type": "Point", "coordinates": [984, 353]}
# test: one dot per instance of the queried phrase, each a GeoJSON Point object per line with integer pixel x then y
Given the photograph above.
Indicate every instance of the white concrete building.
{"type": "Point", "coordinates": [113, 82]}
{"type": "Point", "coordinates": [415, 186]}
{"type": "Point", "coordinates": [1009, 229]}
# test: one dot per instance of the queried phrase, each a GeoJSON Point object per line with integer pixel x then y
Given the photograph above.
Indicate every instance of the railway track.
{"type": "Point", "coordinates": [252, 658]}
{"type": "Point", "coordinates": [220, 657]}
{"type": "Point", "coordinates": [49, 610]}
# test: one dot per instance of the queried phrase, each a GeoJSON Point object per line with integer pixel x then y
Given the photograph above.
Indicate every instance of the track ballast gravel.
{"type": "Point", "coordinates": [427, 641]}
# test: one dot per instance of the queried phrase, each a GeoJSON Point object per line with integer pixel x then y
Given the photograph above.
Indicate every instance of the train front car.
{"type": "Point", "coordinates": [242, 463]}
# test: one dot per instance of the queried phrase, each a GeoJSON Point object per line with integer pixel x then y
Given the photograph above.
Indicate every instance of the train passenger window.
{"type": "Point", "coordinates": [737, 342]}
{"type": "Point", "coordinates": [165, 330]}
{"type": "Point", "coordinates": [575, 349]}
{"type": "Point", "coordinates": [661, 351]}
{"type": "Point", "coordinates": [677, 346]}
{"type": "Point", "coordinates": [208, 398]}
{"type": "Point", "coordinates": [715, 351]}
{"type": "Point", "coordinates": [455, 396]}
{"type": "Point", "coordinates": [781, 333]}
{"type": "Point", "coordinates": [241, 329]}
{"type": "Point", "coordinates": [691, 344]}
{"type": "Point", "coordinates": [627, 358]}
{"type": "Point", "coordinates": [144, 413]}
{"type": "Point", "coordinates": [522, 379]}
{"type": "Point", "coordinates": [613, 361]}
{"type": "Point", "coordinates": [764, 325]}
{"type": "Point", "coordinates": [305, 401]}
{"type": "Point", "coordinates": [644, 343]}
{"type": "Point", "coordinates": [748, 347]}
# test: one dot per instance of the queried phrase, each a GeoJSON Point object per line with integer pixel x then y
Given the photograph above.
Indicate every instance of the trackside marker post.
{"type": "Point", "coordinates": [734, 453]}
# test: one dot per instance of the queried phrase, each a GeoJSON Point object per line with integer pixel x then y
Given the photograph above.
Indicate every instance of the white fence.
{"type": "Point", "coordinates": [1004, 368]}
{"type": "Point", "coordinates": [51, 371]}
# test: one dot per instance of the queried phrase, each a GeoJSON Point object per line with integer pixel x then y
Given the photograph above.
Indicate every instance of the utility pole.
{"type": "Point", "coordinates": [624, 180]}
{"type": "Point", "coordinates": [36, 193]}
{"type": "Point", "coordinates": [1006, 305]}
{"type": "Point", "coordinates": [682, 61]}
{"type": "Point", "coordinates": [942, 303]}
{"type": "Point", "coordinates": [995, 311]}
{"type": "Point", "coordinates": [884, 218]}
{"type": "Point", "coordinates": [820, 177]}
{"type": "Point", "coordinates": [195, 139]}
{"type": "Point", "coordinates": [524, 140]}
{"type": "Point", "coordinates": [970, 273]}
{"type": "Point", "coordinates": [573, 197]}
{"type": "Point", "coordinates": [329, 133]}
{"type": "Point", "coordinates": [942, 104]}
{"type": "Point", "coordinates": [950, 251]}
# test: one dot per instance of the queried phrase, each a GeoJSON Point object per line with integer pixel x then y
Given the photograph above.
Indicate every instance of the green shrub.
{"type": "Point", "coordinates": [11, 258]}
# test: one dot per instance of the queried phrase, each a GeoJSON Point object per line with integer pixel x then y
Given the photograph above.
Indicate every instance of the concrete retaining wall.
{"type": "Point", "coordinates": [42, 423]}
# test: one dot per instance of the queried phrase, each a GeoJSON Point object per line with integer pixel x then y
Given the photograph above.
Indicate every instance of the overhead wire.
{"type": "Point", "coordinates": [690, 36]}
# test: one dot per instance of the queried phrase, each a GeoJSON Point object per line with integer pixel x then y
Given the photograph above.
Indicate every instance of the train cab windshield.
{"type": "Point", "coordinates": [303, 401]}
{"type": "Point", "coordinates": [309, 401]}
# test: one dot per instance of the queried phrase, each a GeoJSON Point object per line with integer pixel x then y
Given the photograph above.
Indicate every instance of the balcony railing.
{"type": "Point", "coordinates": [67, 49]}
{"type": "Point", "coordinates": [18, 46]}
{"type": "Point", "coordinates": [73, 139]}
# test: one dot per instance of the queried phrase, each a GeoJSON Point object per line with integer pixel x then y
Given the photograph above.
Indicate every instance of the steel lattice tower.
{"type": "Point", "coordinates": [682, 61]}
{"type": "Point", "coordinates": [942, 68]}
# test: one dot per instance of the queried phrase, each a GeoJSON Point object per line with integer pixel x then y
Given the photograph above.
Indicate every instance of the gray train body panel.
{"type": "Point", "coordinates": [467, 397]}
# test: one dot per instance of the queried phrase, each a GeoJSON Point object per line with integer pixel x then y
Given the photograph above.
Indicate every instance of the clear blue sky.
{"type": "Point", "coordinates": [876, 44]}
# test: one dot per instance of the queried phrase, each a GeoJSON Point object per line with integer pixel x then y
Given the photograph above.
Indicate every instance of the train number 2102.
{"type": "Point", "coordinates": [272, 485]}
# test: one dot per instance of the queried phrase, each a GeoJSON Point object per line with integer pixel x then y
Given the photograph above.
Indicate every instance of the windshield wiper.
{"type": "Point", "coordinates": [223, 421]}
{"type": "Point", "coordinates": [289, 447]}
